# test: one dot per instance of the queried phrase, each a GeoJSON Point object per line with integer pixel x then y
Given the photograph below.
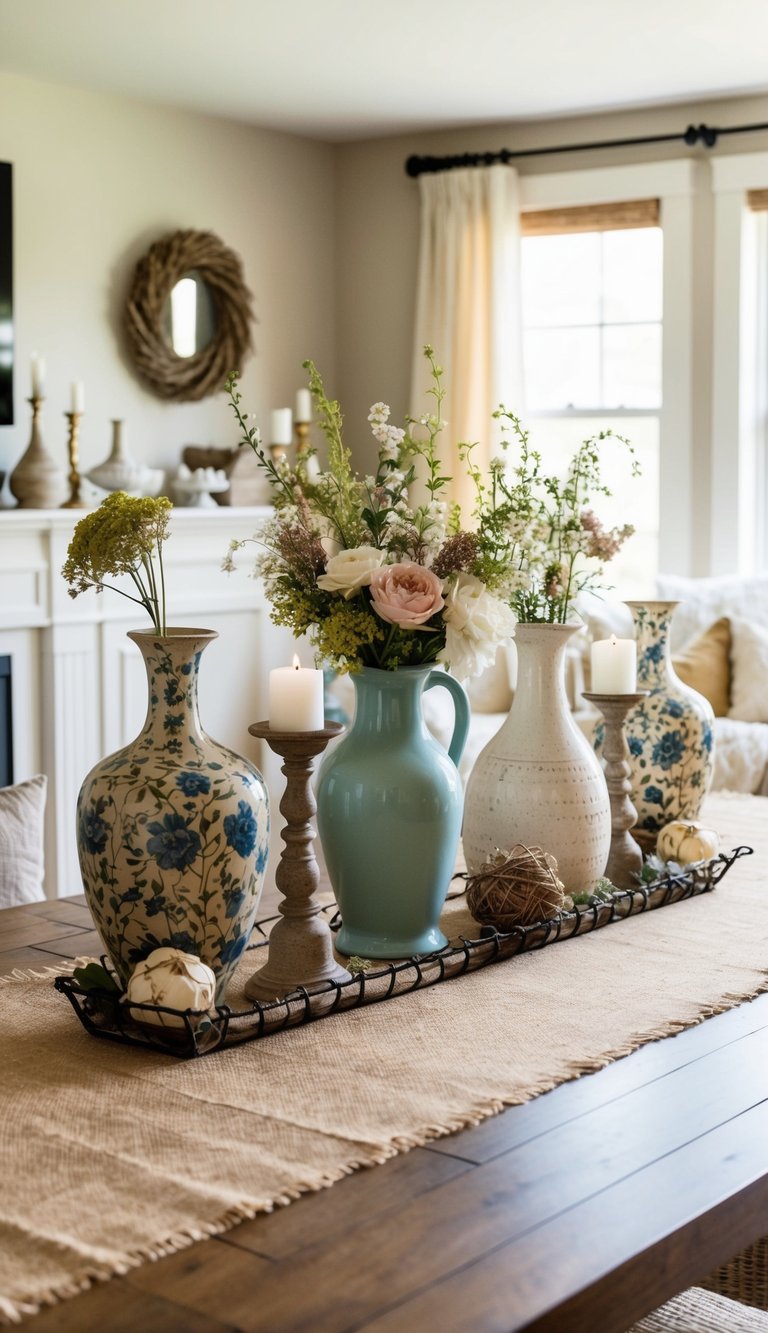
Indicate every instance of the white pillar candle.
{"type": "Point", "coordinates": [614, 666]}
{"type": "Point", "coordinates": [282, 426]}
{"type": "Point", "coordinates": [78, 396]}
{"type": "Point", "coordinates": [296, 698]}
{"type": "Point", "coordinates": [303, 405]}
{"type": "Point", "coordinates": [38, 375]}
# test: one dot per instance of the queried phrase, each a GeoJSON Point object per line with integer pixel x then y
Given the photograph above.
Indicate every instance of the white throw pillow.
{"type": "Point", "coordinates": [703, 601]}
{"type": "Point", "coordinates": [749, 671]}
{"type": "Point", "coordinates": [22, 811]}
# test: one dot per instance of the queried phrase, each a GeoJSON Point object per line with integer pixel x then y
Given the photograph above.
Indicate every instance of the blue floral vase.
{"type": "Point", "coordinates": [669, 734]}
{"type": "Point", "coordinates": [173, 830]}
{"type": "Point", "coordinates": [389, 807]}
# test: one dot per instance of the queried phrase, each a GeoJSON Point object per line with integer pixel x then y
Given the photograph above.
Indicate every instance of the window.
{"type": "Point", "coordinates": [591, 283]}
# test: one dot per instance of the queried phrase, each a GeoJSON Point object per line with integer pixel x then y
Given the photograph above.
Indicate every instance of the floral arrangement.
{"type": "Point", "coordinates": [124, 535]}
{"type": "Point", "coordinates": [372, 576]}
{"type": "Point", "coordinates": [376, 579]}
{"type": "Point", "coordinates": [556, 543]}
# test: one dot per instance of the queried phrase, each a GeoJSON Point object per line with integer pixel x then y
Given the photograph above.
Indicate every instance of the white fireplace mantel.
{"type": "Point", "coordinates": [78, 684]}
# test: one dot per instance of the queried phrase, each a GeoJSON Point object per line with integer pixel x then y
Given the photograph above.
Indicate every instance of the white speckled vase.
{"type": "Point", "coordinates": [538, 781]}
{"type": "Point", "coordinates": [669, 734]}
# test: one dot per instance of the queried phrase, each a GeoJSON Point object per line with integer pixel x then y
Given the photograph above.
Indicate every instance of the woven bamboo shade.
{"type": "Point", "coordinates": [757, 200]}
{"type": "Point", "coordinates": [591, 217]}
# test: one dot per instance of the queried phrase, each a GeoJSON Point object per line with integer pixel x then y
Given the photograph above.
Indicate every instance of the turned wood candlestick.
{"type": "Point", "coordinates": [75, 500]}
{"type": "Point", "coordinates": [300, 951]}
{"type": "Point", "coordinates": [625, 859]}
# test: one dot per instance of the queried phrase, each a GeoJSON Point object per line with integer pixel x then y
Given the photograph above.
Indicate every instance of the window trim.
{"type": "Point", "coordinates": [735, 505]}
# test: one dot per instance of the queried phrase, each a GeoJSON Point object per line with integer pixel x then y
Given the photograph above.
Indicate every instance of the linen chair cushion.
{"type": "Point", "coordinates": [700, 1311]}
{"type": "Point", "coordinates": [22, 812]}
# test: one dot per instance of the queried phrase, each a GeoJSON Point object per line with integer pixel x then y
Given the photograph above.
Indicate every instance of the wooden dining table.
{"type": "Point", "coordinates": [578, 1211]}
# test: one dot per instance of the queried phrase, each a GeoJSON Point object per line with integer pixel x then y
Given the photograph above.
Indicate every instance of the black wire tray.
{"type": "Point", "coordinates": [187, 1034]}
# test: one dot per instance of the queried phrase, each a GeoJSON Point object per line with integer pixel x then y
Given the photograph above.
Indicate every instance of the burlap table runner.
{"type": "Point", "coordinates": [111, 1156]}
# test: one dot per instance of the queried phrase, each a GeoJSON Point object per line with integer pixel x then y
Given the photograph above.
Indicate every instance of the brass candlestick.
{"type": "Point", "coordinates": [306, 461]}
{"type": "Point", "coordinates": [625, 860]}
{"type": "Point", "coordinates": [278, 453]}
{"type": "Point", "coordinates": [302, 440]}
{"type": "Point", "coordinates": [300, 951]}
{"type": "Point", "coordinates": [75, 500]}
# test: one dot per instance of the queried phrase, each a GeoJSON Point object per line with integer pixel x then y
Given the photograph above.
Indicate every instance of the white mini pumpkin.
{"type": "Point", "coordinates": [685, 841]}
{"type": "Point", "coordinates": [172, 978]}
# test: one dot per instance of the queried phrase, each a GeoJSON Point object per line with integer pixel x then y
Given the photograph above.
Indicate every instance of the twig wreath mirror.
{"type": "Point", "coordinates": [188, 315]}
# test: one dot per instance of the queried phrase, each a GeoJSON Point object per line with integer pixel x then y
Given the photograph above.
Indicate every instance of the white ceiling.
{"type": "Point", "coordinates": [349, 69]}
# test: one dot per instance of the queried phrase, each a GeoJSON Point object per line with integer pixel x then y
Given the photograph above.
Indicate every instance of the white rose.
{"type": "Point", "coordinates": [350, 570]}
{"type": "Point", "coordinates": [476, 623]}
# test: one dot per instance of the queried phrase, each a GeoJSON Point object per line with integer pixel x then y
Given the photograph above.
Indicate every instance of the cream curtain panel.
{"type": "Point", "coordinates": [468, 308]}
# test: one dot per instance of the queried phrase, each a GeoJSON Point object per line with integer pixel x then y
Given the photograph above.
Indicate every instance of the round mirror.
{"type": "Point", "coordinates": [188, 315]}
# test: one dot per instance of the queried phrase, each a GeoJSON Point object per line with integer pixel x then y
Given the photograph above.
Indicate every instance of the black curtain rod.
{"type": "Point", "coordinates": [695, 134]}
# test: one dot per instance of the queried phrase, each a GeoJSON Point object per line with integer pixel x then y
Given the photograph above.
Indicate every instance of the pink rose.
{"type": "Point", "coordinates": [406, 594]}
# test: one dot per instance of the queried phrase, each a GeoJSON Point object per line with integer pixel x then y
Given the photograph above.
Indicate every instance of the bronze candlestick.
{"type": "Point", "coordinates": [300, 949]}
{"type": "Point", "coordinates": [75, 500]}
{"type": "Point", "coordinates": [625, 860]}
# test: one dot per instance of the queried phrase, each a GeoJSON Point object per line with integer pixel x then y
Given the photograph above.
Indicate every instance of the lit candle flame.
{"type": "Point", "coordinates": [296, 662]}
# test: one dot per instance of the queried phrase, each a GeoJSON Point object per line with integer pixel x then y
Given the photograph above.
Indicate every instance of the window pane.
{"type": "Point", "coordinates": [632, 272]}
{"type": "Point", "coordinates": [562, 368]}
{"type": "Point", "coordinates": [561, 279]}
{"type": "Point", "coordinates": [633, 500]}
{"type": "Point", "coordinates": [632, 366]}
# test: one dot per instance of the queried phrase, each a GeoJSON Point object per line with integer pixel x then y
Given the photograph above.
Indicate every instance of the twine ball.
{"type": "Point", "coordinates": [515, 888]}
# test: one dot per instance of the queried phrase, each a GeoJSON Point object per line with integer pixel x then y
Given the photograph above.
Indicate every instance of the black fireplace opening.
{"type": "Point", "coordinates": [6, 727]}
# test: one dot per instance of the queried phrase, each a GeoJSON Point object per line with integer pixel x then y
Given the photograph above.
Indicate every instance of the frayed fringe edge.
{"type": "Point", "coordinates": [43, 974]}
{"type": "Point", "coordinates": [14, 1311]}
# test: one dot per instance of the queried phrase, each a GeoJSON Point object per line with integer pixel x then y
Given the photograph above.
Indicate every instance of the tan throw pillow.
{"type": "Point", "coordinates": [22, 811]}
{"type": "Point", "coordinates": [705, 665]}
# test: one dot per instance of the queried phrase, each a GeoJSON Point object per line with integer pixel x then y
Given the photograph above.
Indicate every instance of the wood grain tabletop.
{"type": "Point", "coordinates": [577, 1212]}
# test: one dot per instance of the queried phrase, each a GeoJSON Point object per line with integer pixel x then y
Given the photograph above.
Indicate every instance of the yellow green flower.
{"type": "Point", "coordinates": [124, 536]}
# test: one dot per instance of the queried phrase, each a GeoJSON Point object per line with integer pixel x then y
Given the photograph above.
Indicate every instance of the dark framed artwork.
{"type": "Point", "coordinates": [6, 294]}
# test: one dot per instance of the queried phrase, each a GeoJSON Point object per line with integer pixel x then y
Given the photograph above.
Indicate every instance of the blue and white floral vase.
{"type": "Point", "coordinates": [669, 734]}
{"type": "Point", "coordinates": [173, 830]}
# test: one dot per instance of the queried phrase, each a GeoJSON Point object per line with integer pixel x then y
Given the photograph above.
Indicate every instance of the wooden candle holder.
{"type": "Point", "coordinates": [300, 951]}
{"type": "Point", "coordinates": [625, 859]}
{"type": "Point", "coordinates": [75, 500]}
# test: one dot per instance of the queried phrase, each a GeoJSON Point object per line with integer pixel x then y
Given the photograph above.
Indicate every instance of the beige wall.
{"type": "Point", "coordinates": [378, 231]}
{"type": "Point", "coordinates": [97, 179]}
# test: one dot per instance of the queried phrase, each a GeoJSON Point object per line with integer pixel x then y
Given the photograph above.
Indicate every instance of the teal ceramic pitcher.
{"type": "Point", "coordinates": [389, 807]}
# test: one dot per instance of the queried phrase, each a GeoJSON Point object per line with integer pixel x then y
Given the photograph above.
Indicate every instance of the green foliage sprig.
{"type": "Point", "coordinates": [124, 536]}
{"type": "Point", "coordinates": [557, 542]}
